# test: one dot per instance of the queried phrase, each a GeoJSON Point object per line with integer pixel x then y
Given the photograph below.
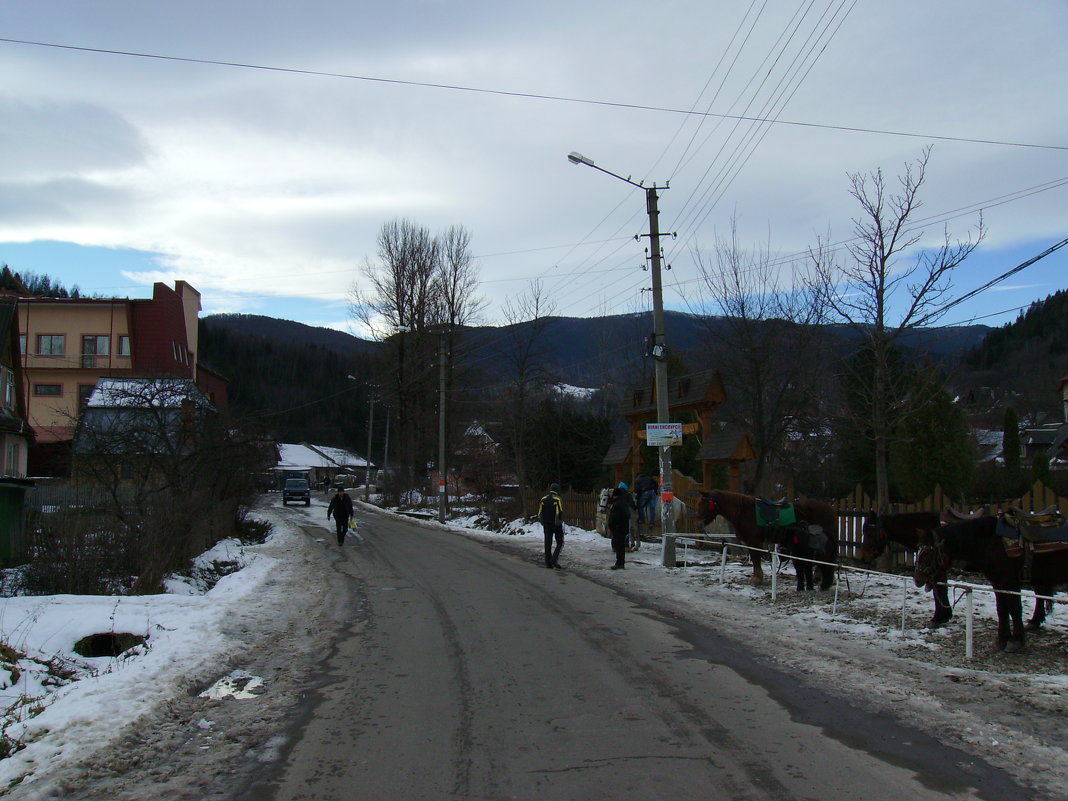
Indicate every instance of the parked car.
{"type": "Point", "coordinates": [296, 489]}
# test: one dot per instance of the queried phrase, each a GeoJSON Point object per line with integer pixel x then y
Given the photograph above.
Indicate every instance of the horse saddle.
{"type": "Point", "coordinates": [775, 513]}
{"type": "Point", "coordinates": [1047, 526]}
{"type": "Point", "coordinates": [952, 515]}
{"type": "Point", "coordinates": [1027, 534]}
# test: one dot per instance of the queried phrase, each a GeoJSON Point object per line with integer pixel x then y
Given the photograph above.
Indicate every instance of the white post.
{"type": "Point", "coordinates": [969, 607]}
{"type": "Point", "coordinates": [834, 606]}
{"type": "Point", "coordinates": [904, 599]}
{"type": "Point", "coordinates": [723, 565]}
{"type": "Point", "coordinates": [774, 571]}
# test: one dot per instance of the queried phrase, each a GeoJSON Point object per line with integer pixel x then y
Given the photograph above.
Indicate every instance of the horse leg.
{"type": "Point", "coordinates": [758, 569]}
{"type": "Point", "coordinates": [826, 573]}
{"type": "Point", "coordinates": [1003, 621]}
{"type": "Point", "coordinates": [943, 610]}
{"type": "Point", "coordinates": [1041, 608]}
{"type": "Point", "coordinates": [1015, 607]}
{"type": "Point", "coordinates": [799, 571]}
{"type": "Point", "coordinates": [808, 575]}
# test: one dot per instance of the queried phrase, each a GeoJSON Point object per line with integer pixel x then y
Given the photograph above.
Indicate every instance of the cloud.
{"type": "Point", "coordinates": [44, 141]}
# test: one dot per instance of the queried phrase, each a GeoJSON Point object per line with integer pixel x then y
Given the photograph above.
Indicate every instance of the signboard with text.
{"type": "Point", "coordinates": [658, 434]}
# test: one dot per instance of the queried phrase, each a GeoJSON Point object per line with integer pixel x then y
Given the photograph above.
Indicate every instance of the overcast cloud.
{"type": "Point", "coordinates": [262, 185]}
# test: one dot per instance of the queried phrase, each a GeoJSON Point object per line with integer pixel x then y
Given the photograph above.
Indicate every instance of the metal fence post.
{"type": "Point", "coordinates": [969, 606]}
{"type": "Point", "coordinates": [774, 571]}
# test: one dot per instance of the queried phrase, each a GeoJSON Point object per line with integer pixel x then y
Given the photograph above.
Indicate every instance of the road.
{"type": "Point", "coordinates": [469, 672]}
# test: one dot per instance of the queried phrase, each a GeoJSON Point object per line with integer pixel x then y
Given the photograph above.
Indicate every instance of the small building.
{"type": "Point", "coordinates": [698, 395]}
{"type": "Point", "coordinates": [128, 423]}
{"type": "Point", "coordinates": [319, 464]}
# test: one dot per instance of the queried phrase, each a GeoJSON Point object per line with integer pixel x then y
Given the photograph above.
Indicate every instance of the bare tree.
{"type": "Point", "coordinates": [396, 303]}
{"type": "Point", "coordinates": [888, 285]}
{"type": "Point", "coordinates": [417, 297]}
{"type": "Point", "coordinates": [766, 337]}
{"type": "Point", "coordinates": [528, 316]}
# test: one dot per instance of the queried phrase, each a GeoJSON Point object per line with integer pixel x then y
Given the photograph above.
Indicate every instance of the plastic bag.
{"type": "Point", "coordinates": [352, 524]}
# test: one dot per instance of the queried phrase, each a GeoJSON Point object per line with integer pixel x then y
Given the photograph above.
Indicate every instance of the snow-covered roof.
{"type": "Point", "coordinates": [292, 456]}
{"type": "Point", "coordinates": [113, 393]}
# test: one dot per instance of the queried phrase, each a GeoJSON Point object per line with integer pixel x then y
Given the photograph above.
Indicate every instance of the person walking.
{"type": "Point", "coordinates": [619, 525]}
{"type": "Point", "coordinates": [551, 515]}
{"type": "Point", "coordinates": [645, 489]}
{"type": "Point", "coordinates": [624, 490]}
{"type": "Point", "coordinates": [341, 509]}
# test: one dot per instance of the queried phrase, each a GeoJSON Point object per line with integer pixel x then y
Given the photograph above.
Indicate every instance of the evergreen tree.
{"type": "Point", "coordinates": [1010, 443]}
{"type": "Point", "coordinates": [1040, 468]}
{"type": "Point", "coordinates": [934, 447]}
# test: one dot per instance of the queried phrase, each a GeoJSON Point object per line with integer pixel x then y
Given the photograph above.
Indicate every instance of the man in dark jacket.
{"type": "Point", "coordinates": [551, 515]}
{"type": "Point", "coordinates": [619, 525]}
{"type": "Point", "coordinates": [645, 489]}
{"type": "Point", "coordinates": [341, 509]}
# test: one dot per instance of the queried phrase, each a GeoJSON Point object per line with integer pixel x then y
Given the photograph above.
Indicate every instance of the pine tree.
{"type": "Point", "coordinates": [1010, 443]}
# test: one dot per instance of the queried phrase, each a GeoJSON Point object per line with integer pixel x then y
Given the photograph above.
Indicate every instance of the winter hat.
{"type": "Point", "coordinates": [622, 485]}
{"type": "Point", "coordinates": [554, 488]}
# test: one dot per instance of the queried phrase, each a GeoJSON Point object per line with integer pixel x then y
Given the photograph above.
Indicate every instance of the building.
{"type": "Point", "coordinates": [69, 344]}
{"type": "Point", "coordinates": [320, 464]}
{"type": "Point", "coordinates": [16, 436]}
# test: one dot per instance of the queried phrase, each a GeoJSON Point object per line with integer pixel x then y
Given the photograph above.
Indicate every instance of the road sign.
{"type": "Point", "coordinates": [663, 433]}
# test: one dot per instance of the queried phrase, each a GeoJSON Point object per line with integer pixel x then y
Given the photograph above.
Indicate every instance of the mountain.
{"type": "Point", "coordinates": [274, 329]}
{"type": "Point", "coordinates": [581, 350]}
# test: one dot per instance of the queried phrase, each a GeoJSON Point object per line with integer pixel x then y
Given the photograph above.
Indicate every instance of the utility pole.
{"type": "Point", "coordinates": [367, 458]}
{"type": "Point", "coordinates": [442, 486]}
{"type": "Point", "coordinates": [659, 351]}
{"type": "Point", "coordinates": [663, 413]}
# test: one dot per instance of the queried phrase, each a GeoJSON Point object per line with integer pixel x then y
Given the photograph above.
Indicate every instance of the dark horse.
{"type": "Point", "coordinates": [978, 542]}
{"type": "Point", "coordinates": [904, 528]}
{"type": "Point", "coordinates": [740, 510]}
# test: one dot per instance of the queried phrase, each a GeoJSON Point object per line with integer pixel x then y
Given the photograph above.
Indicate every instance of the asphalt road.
{"type": "Point", "coordinates": [469, 672]}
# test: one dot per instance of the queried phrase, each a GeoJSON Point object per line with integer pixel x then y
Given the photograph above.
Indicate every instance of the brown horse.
{"type": "Point", "coordinates": [740, 510]}
{"type": "Point", "coordinates": [904, 528]}
{"type": "Point", "coordinates": [978, 542]}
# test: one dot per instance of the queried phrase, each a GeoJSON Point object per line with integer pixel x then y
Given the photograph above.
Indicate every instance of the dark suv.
{"type": "Point", "coordinates": [296, 489]}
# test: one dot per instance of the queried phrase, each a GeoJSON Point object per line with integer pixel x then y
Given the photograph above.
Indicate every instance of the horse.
{"type": "Point", "coordinates": [978, 542]}
{"type": "Point", "coordinates": [904, 528]}
{"type": "Point", "coordinates": [740, 510]}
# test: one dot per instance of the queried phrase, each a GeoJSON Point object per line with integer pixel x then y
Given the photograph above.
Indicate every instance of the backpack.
{"type": "Point", "coordinates": [548, 511]}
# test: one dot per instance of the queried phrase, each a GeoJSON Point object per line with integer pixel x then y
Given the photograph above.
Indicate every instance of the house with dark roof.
{"type": "Point", "coordinates": [700, 394]}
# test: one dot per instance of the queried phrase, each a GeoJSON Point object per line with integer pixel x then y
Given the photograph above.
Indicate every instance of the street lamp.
{"type": "Point", "coordinates": [659, 350]}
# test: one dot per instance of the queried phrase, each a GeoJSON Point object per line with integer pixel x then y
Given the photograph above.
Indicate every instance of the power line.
{"type": "Point", "coordinates": [530, 95]}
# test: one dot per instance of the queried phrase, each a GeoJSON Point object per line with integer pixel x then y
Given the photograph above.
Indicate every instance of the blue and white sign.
{"type": "Point", "coordinates": [659, 434]}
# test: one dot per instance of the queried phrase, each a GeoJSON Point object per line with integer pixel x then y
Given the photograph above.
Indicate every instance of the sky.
{"type": "Point", "coordinates": [188, 648]}
{"type": "Point", "coordinates": [255, 149]}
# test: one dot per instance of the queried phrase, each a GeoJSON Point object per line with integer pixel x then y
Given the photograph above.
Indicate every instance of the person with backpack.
{"type": "Point", "coordinates": [341, 509]}
{"type": "Point", "coordinates": [551, 515]}
{"type": "Point", "coordinates": [645, 489]}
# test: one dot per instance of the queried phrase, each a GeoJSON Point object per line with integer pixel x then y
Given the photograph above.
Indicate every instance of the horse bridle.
{"type": "Point", "coordinates": [937, 565]}
{"type": "Point", "coordinates": [880, 537]}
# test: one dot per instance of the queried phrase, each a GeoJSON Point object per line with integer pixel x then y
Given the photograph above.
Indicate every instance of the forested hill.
{"type": "Point", "coordinates": [291, 380]}
{"type": "Point", "coordinates": [1025, 359]}
{"type": "Point", "coordinates": [1040, 333]}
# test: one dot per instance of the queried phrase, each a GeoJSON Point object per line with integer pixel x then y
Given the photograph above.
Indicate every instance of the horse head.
{"type": "Point", "coordinates": [873, 539]}
{"type": "Point", "coordinates": [931, 561]}
{"type": "Point", "coordinates": [708, 508]}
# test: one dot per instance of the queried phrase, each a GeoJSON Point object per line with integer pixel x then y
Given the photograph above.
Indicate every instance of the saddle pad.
{"type": "Point", "coordinates": [1015, 549]}
{"type": "Point", "coordinates": [770, 514]}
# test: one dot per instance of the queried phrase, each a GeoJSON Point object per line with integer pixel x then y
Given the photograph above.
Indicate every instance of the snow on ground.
{"type": "Point", "coordinates": [1007, 708]}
